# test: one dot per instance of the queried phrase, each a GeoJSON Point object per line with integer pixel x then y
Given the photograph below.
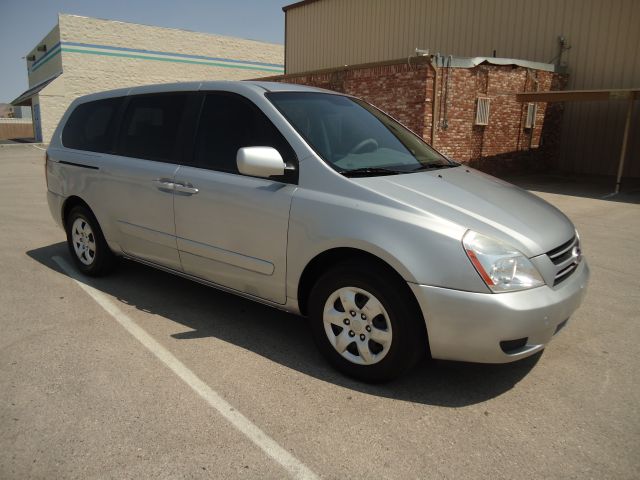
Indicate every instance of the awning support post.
{"type": "Point", "coordinates": [625, 141]}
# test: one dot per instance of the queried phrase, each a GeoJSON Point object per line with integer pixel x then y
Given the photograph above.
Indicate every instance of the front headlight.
{"type": "Point", "coordinates": [502, 267]}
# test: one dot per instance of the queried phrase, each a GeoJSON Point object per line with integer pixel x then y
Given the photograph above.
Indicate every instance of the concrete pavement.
{"type": "Point", "coordinates": [81, 398]}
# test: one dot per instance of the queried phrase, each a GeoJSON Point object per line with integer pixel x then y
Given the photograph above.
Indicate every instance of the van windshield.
{"type": "Point", "coordinates": [354, 137]}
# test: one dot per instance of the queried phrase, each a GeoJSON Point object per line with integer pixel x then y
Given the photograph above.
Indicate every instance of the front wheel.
{"type": "Point", "coordinates": [366, 323]}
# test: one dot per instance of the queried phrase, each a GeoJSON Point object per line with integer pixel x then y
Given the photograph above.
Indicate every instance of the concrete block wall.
{"type": "Point", "coordinates": [108, 66]}
{"type": "Point", "coordinates": [53, 102]}
{"type": "Point", "coordinates": [95, 31]}
{"type": "Point", "coordinates": [47, 63]}
{"type": "Point", "coordinates": [98, 55]}
{"type": "Point", "coordinates": [52, 108]}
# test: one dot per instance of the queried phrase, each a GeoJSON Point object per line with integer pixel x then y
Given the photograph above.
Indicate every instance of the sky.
{"type": "Point", "coordinates": [23, 23]}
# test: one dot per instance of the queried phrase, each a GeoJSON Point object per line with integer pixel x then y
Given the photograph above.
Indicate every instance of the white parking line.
{"type": "Point", "coordinates": [269, 446]}
{"type": "Point", "coordinates": [39, 148]}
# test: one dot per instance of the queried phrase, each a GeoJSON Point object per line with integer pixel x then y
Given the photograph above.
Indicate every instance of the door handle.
{"type": "Point", "coordinates": [185, 188]}
{"type": "Point", "coordinates": [164, 185]}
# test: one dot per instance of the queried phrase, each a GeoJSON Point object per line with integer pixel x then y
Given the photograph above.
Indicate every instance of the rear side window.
{"type": "Point", "coordinates": [150, 127]}
{"type": "Point", "coordinates": [91, 126]}
{"type": "Point", "coordinates": [229, 122]}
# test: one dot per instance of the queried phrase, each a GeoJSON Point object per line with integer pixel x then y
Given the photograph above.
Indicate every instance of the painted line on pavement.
{"type": "Point", "coordinates": [269, 446]}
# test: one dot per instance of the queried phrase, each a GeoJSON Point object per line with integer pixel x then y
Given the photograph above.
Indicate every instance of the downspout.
{"type": "Point", "coordinates": [536, 83]}
{"type": "Point", "coordinates": [435, 103]}
{"type": "Point", "coordinates": [522, 110]}
{"type": "Point", "coordinates": [445, 119]}
{"type": "Point", "coordinates": [285, 40]}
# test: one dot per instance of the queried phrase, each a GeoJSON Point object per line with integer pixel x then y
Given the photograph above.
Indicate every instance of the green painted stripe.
{"type": "Point", "coordinates": [175, 60]}
{"type": "Point", "coordinates": [52, 55]}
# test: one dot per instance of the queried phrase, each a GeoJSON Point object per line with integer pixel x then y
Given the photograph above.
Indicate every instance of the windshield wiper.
{"type": "Point", "coordinates": [370, 171]}
{"type": "Point", "coordinates": [434, 166]}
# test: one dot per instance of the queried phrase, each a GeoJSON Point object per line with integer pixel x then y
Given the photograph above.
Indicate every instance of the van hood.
{"type": "Point", "coordinates": [479, 202]}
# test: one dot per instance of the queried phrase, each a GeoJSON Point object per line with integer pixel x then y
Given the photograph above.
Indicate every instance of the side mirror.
{"type": "Point", "coordinates": [262, 162]}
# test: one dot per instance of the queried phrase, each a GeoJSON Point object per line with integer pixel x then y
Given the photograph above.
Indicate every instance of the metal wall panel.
{"type": "Point", "coordinates": [605, 51]}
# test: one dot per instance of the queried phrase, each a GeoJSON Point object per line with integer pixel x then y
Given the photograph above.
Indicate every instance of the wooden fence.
{"type": "Point", "coordinates": [15, 128]}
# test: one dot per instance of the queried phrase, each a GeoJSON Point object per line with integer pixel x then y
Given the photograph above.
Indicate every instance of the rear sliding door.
{"type": "Point", "coordinates": [139, 180]}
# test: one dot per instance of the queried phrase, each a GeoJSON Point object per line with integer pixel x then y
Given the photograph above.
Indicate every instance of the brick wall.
{"type": "Point", "coordinates": [418, 94]}
{"type": "Point", "coordinates": [401, 90]}
{"type": "Point", "coordinates": [456, 133]}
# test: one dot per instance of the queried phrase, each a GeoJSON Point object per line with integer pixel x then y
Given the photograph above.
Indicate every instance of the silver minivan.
{"type": "Point", "coordinates": [319, 204]}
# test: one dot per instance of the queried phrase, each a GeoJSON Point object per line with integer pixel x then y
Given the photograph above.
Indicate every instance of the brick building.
{"type": "Point", "coordinates": [464, 107]}
{"type": "Point", "coordinates": [594, 41]}
{"type": "Point", "coordinates": [83, 55]}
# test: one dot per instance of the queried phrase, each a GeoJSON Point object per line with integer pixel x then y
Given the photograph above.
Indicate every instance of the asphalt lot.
{"type": "Point", "coordinates": [80, 397]}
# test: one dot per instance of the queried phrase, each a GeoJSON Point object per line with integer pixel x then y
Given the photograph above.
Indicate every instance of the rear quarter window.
{"type": "Point", "coordinates": [91, 126]}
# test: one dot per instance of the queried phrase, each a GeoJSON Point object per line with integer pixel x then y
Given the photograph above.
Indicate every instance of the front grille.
{"type": "Point", "coordinates": [566, 258]}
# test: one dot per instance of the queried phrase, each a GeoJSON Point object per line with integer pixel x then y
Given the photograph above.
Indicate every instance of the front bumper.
{"type": "Point", "coordinates": [468, 326]}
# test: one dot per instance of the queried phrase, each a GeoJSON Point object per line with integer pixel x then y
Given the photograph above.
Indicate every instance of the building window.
{"type": "Point", "coordinates": [532, 109]}
{"type": "Point", "coordinates": [482, 111]}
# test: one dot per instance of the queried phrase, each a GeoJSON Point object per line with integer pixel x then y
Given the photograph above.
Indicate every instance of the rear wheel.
{"type": "Point", "coordinates": [365, 323]}
{"type": "Point", "coordinates": [86, 243]}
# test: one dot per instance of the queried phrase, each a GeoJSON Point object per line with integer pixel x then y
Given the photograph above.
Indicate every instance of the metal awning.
{"type": "Point", "coordinates": [25, 99]}
{"type": "Point", "coordinates": [470, 62]}
{"type": "Point", "coordinates": [630, 95]}
{"type": "Point", "coordinates": [579, 95]}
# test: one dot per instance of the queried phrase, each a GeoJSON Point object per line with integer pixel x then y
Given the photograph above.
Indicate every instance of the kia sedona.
{"type": "Point", "coordinates": [319, 204]}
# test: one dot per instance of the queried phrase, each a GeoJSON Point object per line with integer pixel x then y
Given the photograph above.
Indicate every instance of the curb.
{"type": "Point", "coordinates": [41, 145]}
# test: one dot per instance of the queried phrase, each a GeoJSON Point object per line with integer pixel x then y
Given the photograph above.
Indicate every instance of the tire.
{"type": "Point", "coordinates": [86, 243]}
{"type": "Point", "coordinates": [379, 332]}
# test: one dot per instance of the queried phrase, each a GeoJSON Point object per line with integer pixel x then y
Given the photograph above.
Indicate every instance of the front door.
{"type": "Point", "coordinates": [232, 229]}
